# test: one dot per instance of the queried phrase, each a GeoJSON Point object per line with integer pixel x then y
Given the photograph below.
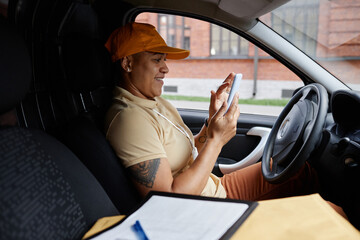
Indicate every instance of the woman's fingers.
{"type": "Point", "coordinates": [222, 127]}
{"type": "Point", "coordinates": [223, 87]}
{"type": "Point", "coordinates": [226, 84]}
{"type": "Point", "coordinates": [233, 109]}
{"type": "Point", "coordinates": [222, 110]}
{"type": "Point", "coordinates": [212, 98]}
{"type": "Point", "coordinates": [218, 98]}
{"type": "Point", "coordinates": [230, 77]}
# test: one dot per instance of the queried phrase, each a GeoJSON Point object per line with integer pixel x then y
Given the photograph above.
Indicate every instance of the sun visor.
{"type": "Point", "coordinates": [252, 9]}
{"type": "Point", "coordinates": [345, 105]}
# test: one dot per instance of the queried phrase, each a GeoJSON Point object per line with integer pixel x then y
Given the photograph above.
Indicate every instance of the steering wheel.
{"type": "Point", "coordinates": [295, 134]}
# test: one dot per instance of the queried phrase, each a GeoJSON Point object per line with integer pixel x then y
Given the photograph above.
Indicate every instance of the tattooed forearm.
{"type": "Point", "coordinates": [145, 172]}
{"type": "Point", "coordinates": [203, 138]}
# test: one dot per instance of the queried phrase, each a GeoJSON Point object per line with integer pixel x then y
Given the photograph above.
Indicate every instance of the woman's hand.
{"type": "Point", "coordinates": [221, 95]}
{"type": "Point", "coordinates": [222, 127]}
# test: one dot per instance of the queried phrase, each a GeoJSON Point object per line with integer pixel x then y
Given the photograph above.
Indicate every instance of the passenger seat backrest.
{"type": "Point", "coordinates": [45, 191]}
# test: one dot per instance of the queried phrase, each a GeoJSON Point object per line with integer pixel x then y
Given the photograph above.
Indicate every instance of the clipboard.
{"type": "Point", "coordinates": [221, 226]}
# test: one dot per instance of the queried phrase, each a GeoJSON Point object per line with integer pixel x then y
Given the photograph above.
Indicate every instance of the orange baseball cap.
{"type": "Point", "coordinates": [139, 37]}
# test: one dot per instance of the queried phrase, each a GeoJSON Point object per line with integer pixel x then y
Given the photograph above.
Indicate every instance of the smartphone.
{"type": "Point", "coordinates": [234, 88]}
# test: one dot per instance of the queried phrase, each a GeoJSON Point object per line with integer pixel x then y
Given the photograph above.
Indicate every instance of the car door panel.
{"type": "Point", "coordinates": [252, 130]}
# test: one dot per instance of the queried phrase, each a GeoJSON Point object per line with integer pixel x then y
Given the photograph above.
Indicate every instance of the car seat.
{"type": "Point", "coordinates": [90, 80]}
{"type": "Point", "coordinates": [45, 190]}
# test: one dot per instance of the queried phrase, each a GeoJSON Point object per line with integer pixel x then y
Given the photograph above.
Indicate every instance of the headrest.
{"type": "Point", "coordinates": [15, 68]}
{"type": "Point", "coordinates": [345, 105]}
{"type": "Point", "coordinates": [87, 63]}
{"type": "Point", "coordinates": [86, 60]}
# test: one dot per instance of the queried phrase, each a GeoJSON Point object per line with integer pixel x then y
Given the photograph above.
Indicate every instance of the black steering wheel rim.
{"type": "Point", "coordinates": [301, 124]}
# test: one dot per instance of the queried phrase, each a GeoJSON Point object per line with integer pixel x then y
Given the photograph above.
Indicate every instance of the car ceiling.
{"type": "Point", "coordinates": [240, 13]}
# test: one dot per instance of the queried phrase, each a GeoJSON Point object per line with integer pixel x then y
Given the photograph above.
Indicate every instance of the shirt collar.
{"type": "Point", "coordinates": [122, 93]}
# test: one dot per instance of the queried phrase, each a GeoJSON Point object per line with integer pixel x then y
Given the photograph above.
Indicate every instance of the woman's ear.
{"type": "Point", "coordinates": [123, 63]}
{"type": "Point", "coordinates": [126, 63]}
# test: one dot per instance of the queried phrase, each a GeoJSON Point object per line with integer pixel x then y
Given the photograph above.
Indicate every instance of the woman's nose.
{"type": "Point", "coordinates": [164, 68]}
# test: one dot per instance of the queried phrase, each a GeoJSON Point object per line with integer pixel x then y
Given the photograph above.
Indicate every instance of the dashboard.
{"type": "Point", "coordinates": [337, 159]}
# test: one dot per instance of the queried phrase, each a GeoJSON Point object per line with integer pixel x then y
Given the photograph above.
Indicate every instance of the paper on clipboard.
{"type": "Point", "coordinates": [164, 217]}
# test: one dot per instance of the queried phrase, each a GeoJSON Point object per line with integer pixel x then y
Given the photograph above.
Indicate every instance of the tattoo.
{"type": "Point", "coordinates": [145, 172]}
{"type": "Point", "coordinates": [203, 138]}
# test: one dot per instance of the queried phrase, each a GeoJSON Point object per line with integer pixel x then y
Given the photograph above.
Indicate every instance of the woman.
{"type": "Point", "coordinates": [155, 145]}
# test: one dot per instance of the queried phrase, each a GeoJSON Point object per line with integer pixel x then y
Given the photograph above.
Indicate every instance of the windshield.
{"type": "Point", "coordinates": [327, 31]}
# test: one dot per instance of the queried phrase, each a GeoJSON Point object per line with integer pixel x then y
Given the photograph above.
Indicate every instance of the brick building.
{"type": "Point", "coordinates": [339, 48]}
{"type": "Point", "coordinates": [336, 29]}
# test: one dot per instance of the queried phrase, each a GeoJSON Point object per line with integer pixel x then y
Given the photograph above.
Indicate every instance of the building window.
{"type": "Point", "coordinates": [226, 43]}
{"type": "Point", "coordinates": [299, 27]}
{"type": "Point", "coordinates": [174, 30]}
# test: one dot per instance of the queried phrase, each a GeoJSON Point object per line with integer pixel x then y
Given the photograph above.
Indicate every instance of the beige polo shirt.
{"type": "Point", "coordinates": [138, 133]}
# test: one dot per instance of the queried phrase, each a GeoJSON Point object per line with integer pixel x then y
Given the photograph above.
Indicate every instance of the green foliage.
{"type": "Point", "coordinates": [250, 101]}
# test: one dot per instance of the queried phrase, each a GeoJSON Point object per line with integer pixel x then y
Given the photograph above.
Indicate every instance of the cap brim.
{"type": "Point", "coordinates": [172, 53]}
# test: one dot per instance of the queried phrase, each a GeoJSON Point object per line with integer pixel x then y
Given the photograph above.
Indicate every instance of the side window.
{"type": "Point", "coordinates": [215, 52]}
{"type": "Point", "coordinates": [3, 8]}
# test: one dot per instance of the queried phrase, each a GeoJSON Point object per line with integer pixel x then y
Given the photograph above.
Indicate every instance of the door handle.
{"type": "Point", "coordinates": [254, 156]}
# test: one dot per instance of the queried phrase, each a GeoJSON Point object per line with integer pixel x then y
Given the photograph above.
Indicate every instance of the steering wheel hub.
{"type": "Point", "coordinates": [284, 127]}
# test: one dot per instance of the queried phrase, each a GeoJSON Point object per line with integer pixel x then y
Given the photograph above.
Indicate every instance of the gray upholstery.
{"type": "Point", "coordinates": [45, 190]}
